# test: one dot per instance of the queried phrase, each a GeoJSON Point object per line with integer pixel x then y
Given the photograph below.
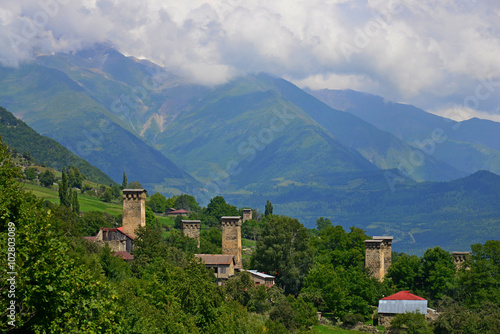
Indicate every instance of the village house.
{"type": "Point", "coordinates": [223, 265]}
{"type": "Point", "coordinates": [398, 303]}
{"type": "Point", "coordinates": [261, 278]}
{"type": "Point", "coordinates": [175, 213]}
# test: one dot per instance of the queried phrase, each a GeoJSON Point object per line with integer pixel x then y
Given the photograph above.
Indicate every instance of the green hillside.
{"type": "Point", "coordinates": [54, 105]}
{"type": "Point", "coordinates": [18, 135]}
{"type": "Point", "coordinates": [252, 139]}
{"type": "Point", "coordinates": [87, 203]}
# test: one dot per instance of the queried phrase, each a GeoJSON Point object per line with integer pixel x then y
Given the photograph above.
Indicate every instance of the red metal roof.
{"type": "Point", "coordinates": [403, 295]}
{"type": "Point", "coordinates": [124, 255]}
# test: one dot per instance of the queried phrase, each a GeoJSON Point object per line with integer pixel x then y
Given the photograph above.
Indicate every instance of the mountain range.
{"type": "Point", "coordinates": [350, 156]}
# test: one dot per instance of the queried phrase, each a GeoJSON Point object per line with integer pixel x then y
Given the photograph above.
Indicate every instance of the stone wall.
{"type": "Point", "coordinates": [134, 210]}
{"type": "Point", "coordinates": [231, 238]}
{"type": "Point", "coordinates": [378, 256]}
{"type": "Point", "coordinates": [374, 258]}
{"type": "Point", "coordinates": [191, 228]}
{"type": "Point", "coordinates": [247, 214]}
{"type": "Point", "coordinates": [459, 258]}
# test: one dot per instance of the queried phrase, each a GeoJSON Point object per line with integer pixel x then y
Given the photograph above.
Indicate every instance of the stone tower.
{"type": "Point", "coordinates": [191, 228]}
{"type": "Point", "coordinates": [459, 258]}
{"type": "Point", "coordinates": [378, 255]}
{"type": "Point", "coordinates": [134, 210]}
{"type": "Point", "coordinates": [231, 238]}
{"type": "Point", "coordinates": [247, 214]}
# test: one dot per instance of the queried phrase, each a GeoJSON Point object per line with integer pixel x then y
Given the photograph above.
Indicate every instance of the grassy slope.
{"type": "Point", "coordinates": [87, 203]}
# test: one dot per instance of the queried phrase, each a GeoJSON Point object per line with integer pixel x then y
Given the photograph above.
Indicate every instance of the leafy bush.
{"type": "Point", "coordinates": [351, 320]}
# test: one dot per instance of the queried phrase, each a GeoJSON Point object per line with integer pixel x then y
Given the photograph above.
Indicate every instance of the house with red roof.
{"type": "Point", "coordinates": [176, 213]}
{"type": "Point", "coordinates": [400, 302]}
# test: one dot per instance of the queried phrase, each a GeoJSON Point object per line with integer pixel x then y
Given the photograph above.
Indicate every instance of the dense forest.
{"type": "Point", "coordinates": [57, 282]}
{"type": "Point", "coordinates": [19, 136]}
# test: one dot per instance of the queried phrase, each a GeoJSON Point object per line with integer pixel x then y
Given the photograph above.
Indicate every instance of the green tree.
{"type": "Point", "coordinates": [90, 222]}
{"type": "Point", "coordinates": [134, 185]}
{"type": "Point", "coordinates": [47, 178]}
{"type": "Point", "coordinates": [75, 178]}
{"type": "Point", "coordinates": [438, 272]}
{"type": "Point", "coordinates": [406, 273]}
{"type": "Point", "coordinates": [218, 208]}
{"type": "Point", "coordinates": [211, 241]}
{"type": "Point", "coordinates": [251, 229]}
{"type": "Point", "coordinates": [268, 209]}
{"type": "Point", "coordinates": [75, 204]}
{"type": "Point", "coordinates": [124, 181]}
{"type": "Point", "coordinates": [322, 223]}
{"type": "Point", "coordinates": [410, 323]}
{"type": "Point", "coordinates": [107, 195]}
{"type": "Point", "coordinates": [479, 277]}
{"type": "Point", "coordinates": [30, 173]}
{"type": "Point", "coordinates": [186, 202]}
{"type": "Point", "coordinates": [157, 202]}
{"type": "Point", "coordinates": [283, 250]}
{"type": "Point", "coordinates": [114, 268]}
{"type": "Point", "coordinates": [150, 217]}
{"type": "Point", "coordinates": [54, 293]}
{"type": "Point", "coordinates": [64, 190]}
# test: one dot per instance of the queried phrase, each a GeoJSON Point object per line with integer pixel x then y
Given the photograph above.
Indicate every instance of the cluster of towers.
{"type": "Point", "coordinates": [231, 233]}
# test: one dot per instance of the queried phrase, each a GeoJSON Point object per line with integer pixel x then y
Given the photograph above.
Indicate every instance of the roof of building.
{"type": "Point", "coordinates": [89, 238]}
{"type": "Point", "coordinates": [257, 273]}
{"type": "Point", "coordinates": [190, 221]}
{"type": "Point", "coordinates": [140, 190]}
{"type": "Point", "coordinates": [382, 238]}
{"type": "Point", "coordinates": [114, 229]}
{"type": "Point", "coordinates": [124, 255]}
{"type": "Point", "coordinates": [214, 259]}
{"type": "Point", "coordinates": [179, 211]}
{"type": "Point", "coordinates": [231, 217]}
{"type": "Point", "coordinates": [403, 295]}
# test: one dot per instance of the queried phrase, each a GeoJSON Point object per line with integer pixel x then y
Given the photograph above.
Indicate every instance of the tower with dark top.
{"type": "Point", "coordinates": [378, 256]}
{"type": "Point", "coordinates": [191, 228]}
{"type": "Point", "coordinates": [134, 210]}
{"type": "Point", "coordinates": [231, 238]}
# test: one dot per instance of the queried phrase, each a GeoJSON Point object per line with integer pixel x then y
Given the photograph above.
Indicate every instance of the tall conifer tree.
{"type": "Point", "coordinates": [125, 181]}
{"type": "Point", "coordinates": [64, 190]}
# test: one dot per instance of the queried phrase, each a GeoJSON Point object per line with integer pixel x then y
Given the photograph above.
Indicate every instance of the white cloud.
{"type": "Point", "coordinates": [426, 52]}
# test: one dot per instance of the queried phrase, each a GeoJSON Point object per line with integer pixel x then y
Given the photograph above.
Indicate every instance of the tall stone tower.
{"type": "Point", "coordinates": [134, 210]}
{"type": "Point", "coordinates": [191, 228]}
{"type": "Point", "coordinates": [378, 255]}
{"type": "Point", "coordinates": [231, 238]}
{"type": "Point", "coordinates": [247, 214]}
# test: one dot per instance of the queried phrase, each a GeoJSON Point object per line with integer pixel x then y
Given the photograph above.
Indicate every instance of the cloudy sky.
{"type": "Point", "coordinates": [441, 55]}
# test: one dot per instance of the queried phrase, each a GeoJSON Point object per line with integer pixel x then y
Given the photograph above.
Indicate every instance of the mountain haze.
{"type": "Point", "coordinates": [348, 157]}
{"type": "Point", "coordinates": [468, 146]}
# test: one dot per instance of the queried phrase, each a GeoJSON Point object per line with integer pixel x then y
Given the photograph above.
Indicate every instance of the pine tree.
{"type": "Point", "coordinates": [74, 202]}
{"type": "Point", "coordinates": [125, 181]}
{"type": "Point", "coordinates": [269, 209]}
{"type": "Point", "coordinates": [64, 190]}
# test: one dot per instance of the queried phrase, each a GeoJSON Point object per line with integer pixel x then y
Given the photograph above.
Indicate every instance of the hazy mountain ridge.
{"type": "Point", "coordinates": [54, 105]}
{"type": "Point", "coordinates": [255, 138]}
{"type": "Point", "coordinates": [468, 146]}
